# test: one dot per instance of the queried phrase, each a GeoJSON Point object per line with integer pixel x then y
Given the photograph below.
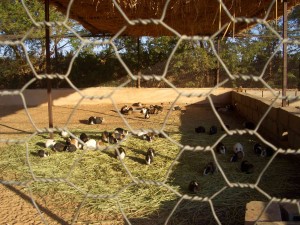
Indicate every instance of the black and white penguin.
{"type": "Point", "coordinates": [91, 120]}
{"type": "Point", "coordinates": [209, 168]}
{"type": "Point", "coordinates": [149, 156]}
{"type": "Point", "coordinates": [41, 153]}
{"type": "Point", "coordinates": [258, 149]}
{"type": "Point", "coordinates": [147, 116]}
{"type": "Point", "coordinates": [221, 148]}
{"type": "Point", "coordinates": [83, 137]}
{"type": "Point", "coordinates": [121, 154]}
{"type": "Point", "coordinates": [121, 131]}
{"type": "Point", "coordinates": [151, 152]}
{"type": "Point", "coordinates": [193, 186]}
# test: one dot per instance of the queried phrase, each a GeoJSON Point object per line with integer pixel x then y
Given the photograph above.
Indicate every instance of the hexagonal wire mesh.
{"type": "Point", "coordinates": [184, 148]}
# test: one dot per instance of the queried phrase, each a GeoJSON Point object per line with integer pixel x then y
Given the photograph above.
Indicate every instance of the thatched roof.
{"type": "Point", "coordinates": [190, 17]}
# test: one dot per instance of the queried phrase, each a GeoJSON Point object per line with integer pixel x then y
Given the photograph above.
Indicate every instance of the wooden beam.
{"type": "Point", "coordinates": [49, 84]}
{"type": "Point", "coordinates": [284, 72]}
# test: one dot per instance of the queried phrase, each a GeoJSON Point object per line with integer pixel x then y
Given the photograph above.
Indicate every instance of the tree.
{"type": "Point", "coordinates": [14, 25]}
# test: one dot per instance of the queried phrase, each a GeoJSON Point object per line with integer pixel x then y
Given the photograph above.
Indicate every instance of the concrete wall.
{"type": "Point", "coordinates": [277, 122]}
{"type": "Point", "coordinates": [38, 97]}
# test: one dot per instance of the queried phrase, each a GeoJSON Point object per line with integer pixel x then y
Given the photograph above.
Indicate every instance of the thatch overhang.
{"type": "Point", "coordinates": [189, 17]}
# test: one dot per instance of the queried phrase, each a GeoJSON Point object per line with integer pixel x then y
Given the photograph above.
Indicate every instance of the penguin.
{"type": "Point", "coordinates": [151, 152]}
{"type": "Point", "coordinates": [258, 150]}
{"type": "Point", "coordinates": [221, 148]}
{"type": "Point", "coordinates": [149, 159]}
{"type": "Point", "coordinates": [121, 131]}
{"type": "Point", "coordinates": [70, 148]}
{"type": "Point", "coordinates": [176, 108]}
{"type": "Point", "coordinates": [91, 120]}
{"type": "Point", "coordinates": [42, 153]}
{"type": "Point", "coordinates": [213, 130]}
{"type": "Point", "coordinates": [105, 136]}
{"type": "Point", "coordinates": [121, 154]}
{"type": "Point", "coordinates": [209, 168]}
{"type": "Point", "coordinates": [83, 137]}
{"type": "Point", "coordinates": [50, 143]}
{"type": "Point", "coordinates": [193, 186]}
{"type": "Point", "coordinates": [247, 167]}
{"type": "Point", "coordinates": [147, 116]}
{"type": "Point", "coordinates": [267, 152]}
{"type": "Point", "coordinates": [200, 129]}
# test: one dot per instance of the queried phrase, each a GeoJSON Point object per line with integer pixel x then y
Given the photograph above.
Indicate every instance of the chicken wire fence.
{"type": "Point", "coordinates": [134, 77]}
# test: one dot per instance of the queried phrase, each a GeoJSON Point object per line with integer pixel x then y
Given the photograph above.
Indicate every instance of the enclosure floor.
{"type": "Point", "coordinates": [15, 124]}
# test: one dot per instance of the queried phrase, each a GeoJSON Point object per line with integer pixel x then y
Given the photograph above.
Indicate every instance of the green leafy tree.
{"type": "Point", "coordinates": [14, 25]}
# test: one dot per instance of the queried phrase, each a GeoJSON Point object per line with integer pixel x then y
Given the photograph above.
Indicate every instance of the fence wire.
{"type": "Point", "coordinates": [133, 77]}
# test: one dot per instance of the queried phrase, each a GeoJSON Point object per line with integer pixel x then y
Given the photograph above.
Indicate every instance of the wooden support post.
{"type": "Point", "coordinates": [138, 81]}
{"type": "Point", "coordinates": [49, 85]}
{"type": "Point", "coordinates": [284, 72]}
{"type": "Point", "coordinates": [217, 79]}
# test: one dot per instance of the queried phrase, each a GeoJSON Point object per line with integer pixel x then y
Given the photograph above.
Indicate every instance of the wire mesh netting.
{"type": "Point", "coordinates": [128, 190]}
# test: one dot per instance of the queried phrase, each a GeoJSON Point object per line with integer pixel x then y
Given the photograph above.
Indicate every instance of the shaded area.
{"type": "Point", "coordinates": [280, 180]}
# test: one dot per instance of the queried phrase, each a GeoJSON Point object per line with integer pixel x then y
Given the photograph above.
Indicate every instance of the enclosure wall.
{"type": "Point", "coordinates": [281, 125]}
{"type": "Point", "coordinates": [125, 95]}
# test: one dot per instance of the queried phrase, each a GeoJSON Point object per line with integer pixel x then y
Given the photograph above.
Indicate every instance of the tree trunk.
{"type": "Point", "coordinates": [299, 76]}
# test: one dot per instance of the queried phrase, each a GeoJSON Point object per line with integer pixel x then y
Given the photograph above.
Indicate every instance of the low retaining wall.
{"type": "Point", "coordinates": [281, 125]}
{"type": "Point", "coordinates": [38, 97]}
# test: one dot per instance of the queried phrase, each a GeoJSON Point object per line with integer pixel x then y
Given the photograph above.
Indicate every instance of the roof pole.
{"type": "Point", "coordinates": [138, 82]}
{"type": "Point", "coordinates": [284, 72]}
{"type": "Point", "coordinates": [49, 95]}
{"type": "Point", "coordinates": [217, 78]}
